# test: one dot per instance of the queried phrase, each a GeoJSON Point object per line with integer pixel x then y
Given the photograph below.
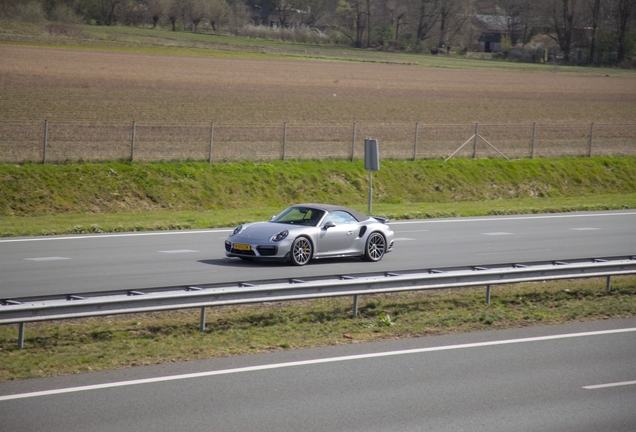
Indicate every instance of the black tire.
{"type": "Point", "coordinates": [375, 247]}
{"type": "Point", "coordinates": [301, 251]}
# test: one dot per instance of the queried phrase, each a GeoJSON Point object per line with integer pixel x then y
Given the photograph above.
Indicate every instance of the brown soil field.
{"type": "Point", "coordinates": [89, 87]}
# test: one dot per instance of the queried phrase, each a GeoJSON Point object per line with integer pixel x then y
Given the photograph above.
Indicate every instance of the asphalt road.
{"type": "Point", "coordinates": [88, 263]}
{"type": "Point", "coordinates": [576, 377]}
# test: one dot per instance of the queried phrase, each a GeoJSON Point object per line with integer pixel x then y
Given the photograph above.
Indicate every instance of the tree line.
{"type": "Point", "coordinates": [599, 32]}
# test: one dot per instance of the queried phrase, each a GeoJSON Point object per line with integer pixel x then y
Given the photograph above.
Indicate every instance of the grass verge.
{"type": "Point", "coordinates": [67, 224]}
{"type": "Point", "coordinates": [93, 344]}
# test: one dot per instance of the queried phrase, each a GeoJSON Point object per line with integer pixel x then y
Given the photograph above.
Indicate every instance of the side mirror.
{"type": "Point", "coordinates": [329, 225]}
{"type": "Point", "coordinates": [272, 218]}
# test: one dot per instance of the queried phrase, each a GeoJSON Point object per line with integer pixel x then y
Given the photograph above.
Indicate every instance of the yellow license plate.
{"type": "Point", "coordinates": [244, 247]}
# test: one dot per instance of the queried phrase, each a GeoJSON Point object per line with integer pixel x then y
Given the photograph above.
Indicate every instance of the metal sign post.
{"type": "Point", "coordinates": [371, 163]}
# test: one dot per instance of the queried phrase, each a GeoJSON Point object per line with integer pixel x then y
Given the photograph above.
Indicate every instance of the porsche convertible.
{"type": "Point", "coordinates": [312, 231]}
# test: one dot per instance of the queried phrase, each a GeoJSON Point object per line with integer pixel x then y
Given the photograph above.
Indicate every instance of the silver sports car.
{"type": "Point", "coordinates": [312, 231]}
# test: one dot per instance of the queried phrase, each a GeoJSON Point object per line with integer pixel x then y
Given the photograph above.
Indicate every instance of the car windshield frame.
{"type": "Point", "coordinates": [300, 215]}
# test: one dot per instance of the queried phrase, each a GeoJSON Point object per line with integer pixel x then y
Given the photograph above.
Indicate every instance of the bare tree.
{"type": "Point", "coordinates": [218, 12]}
{"type": "Point", "coordinates": [595, 7]}
{"type": "Point", "coordinates": [426, 14]}
{"type": "Point", "coordinates": [564, 17]}
{"type": "Point", "coordinates": [625, 14]}
{"type": "Point", "coordinates": [350, 19]}
{"type": "Point", "coordinates": [453, 15]}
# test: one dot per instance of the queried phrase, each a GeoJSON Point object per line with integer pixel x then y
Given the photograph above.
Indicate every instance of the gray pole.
{"type": "Point", "coordinates": [534, 133]}
{"type": "Point", "coordinates": [46, 140]}
{"type": "Point", "coordinates": [132, 145]}
{"type": "Point", "coordinates": [370, 189]}
{"type": "Point", "coordinates": [202, 321]}
{"type": "Point", "coordinates": [21, 336]}
{"type": "Point", "coordinates": [211, 139]}
{"type": "Point", "coordinates": [475, 143]}
{"type": "Point", "coordinates": [589, 153]}
{"type": "Point", "coordinates": [284, 138]}
{"type": "Point", "coordinates": [417, 126]}
{"type": "Point", "coordinates": [355, 305]}
{"type": "Point", "coordinates": [487, 294]}
{"type": "Point", "coordinates": [353, 143]}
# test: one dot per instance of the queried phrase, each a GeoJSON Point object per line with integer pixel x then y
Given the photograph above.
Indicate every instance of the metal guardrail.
{"type": "Point", "coordinates": [33, 309]}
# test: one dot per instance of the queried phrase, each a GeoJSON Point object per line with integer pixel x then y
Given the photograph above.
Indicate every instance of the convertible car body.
{"type": "Point", "coordinates": [312, 231]}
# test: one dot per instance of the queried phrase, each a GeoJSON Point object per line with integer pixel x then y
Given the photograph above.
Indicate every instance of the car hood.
{"type": "Point", "coordinates": [261, 231]}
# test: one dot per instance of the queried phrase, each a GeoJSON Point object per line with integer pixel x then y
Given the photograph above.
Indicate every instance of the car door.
{"type": "Point", "coordinates": [337, 233]}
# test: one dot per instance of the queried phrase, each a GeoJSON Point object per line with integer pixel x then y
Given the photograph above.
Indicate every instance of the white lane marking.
{"type": "Point", "coordinates": [491, 219]}
{"type": "Point", "coordinates": [178, 251]}
{"type": "Point", "coordinates": [617, 384]}
{"type": "Point", "coordinates": [309, 362]}
{"type": "Point", "coordinates": [410, 231]}
{"type": "Point", "coordinates": [47, 259]}
{"type": "Point", "coordinates": [500, 233]}
{"type": "Point", "coordinates": [114, 235]}
{"type": "Point", "coordinates": [514, 252]}
{"type": "Point", "coordinates": [584, 229]}
{"type": "Point", "coordinates": [487, 219]}
{"type": "Point", "coordinates": [404, 239]}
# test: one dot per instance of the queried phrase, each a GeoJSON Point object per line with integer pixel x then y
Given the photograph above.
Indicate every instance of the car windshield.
{"type": "Point", "coordinates": [300, 216]}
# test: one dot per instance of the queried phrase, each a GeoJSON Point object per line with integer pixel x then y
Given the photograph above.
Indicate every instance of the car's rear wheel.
{"type": "Point", "coordinates": [301, 251]}
{"type": "Point", "coordinates": [375, 247]}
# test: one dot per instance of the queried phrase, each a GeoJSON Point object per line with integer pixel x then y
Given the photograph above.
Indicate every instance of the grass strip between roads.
{"type": "Point", "coordinates": [93, 344]}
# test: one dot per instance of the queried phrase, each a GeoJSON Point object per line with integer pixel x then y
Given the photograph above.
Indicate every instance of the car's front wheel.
{"type": "Point", "coordinates": [375, 247]}
{"type": "Point", "coordinates": [301, 251]}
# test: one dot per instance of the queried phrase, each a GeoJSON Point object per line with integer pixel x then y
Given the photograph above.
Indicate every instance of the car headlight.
{"type": "Point", "coordinates": [236, 230]}
{"type": "Point", "coordinates": [280, 236]}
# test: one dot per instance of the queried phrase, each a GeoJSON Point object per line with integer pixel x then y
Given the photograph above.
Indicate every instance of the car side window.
{"type": "Point", "coordinates": [340, 218]}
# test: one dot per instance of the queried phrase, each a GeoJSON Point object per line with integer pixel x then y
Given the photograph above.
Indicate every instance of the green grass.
{"type": "Point", "coordinates": [92, 344]}
{"type": "Point", "coordinates": [110, 197]}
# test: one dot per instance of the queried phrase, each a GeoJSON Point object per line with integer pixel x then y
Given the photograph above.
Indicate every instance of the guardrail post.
{"type": "Point", "coordinates": [608, 284]}
{"type": "Point", "coordinates": [21, 336]}
{"type": "Point", "coordinates": [487, 294]}
{"type": "Point", "coordinates": [132, 144]}
{"type": "Point", "coordinates": [211, 139]}
{"type": "Point", "coordinates": [355, 305]}
{"type": "Point", "coordinates": [46, 140]}
{"type": "Point", "coordinates": [202, 320]}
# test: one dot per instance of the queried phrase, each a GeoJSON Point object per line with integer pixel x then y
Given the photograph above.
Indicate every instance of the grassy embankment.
{"type": "Point", "coordinates": [112, 197]}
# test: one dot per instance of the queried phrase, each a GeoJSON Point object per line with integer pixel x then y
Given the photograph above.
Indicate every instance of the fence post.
{"type": "Point", "coordinates": [284, 138]}
{"type": "Point", "coordinates": [589, 153]}
{"type": "Point", "coordinates": [417, 126]}
{"type": "Point", "coordinates": [353, 143]}
{"type": "Point", "coordinates": [487, 294]}
{"type": "Point", "coordinates": [608, 284]}
{"type": "Point", "coordinates": [132, 144]}
{"type": "Point", "coordinates": [475, 143]}
{"type": "Point", "coordinates": [534, 133]}
{"type": "Point", "coordinates": [46, 140]}
{"type": "Point", "coordinates": [211, 139]}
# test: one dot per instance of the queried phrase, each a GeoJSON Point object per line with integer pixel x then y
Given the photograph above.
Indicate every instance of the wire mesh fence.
{"type": "Point", "coordinates": [58, 142]}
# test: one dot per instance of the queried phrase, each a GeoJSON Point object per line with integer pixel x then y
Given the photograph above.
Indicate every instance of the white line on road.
{"type": "Point", "coordinates": [486, 219]}
{"type": "Point", "coordinates": [47, 259]}
{"type": "Point", "coordinates": [306, 362]}
{"type": "Point", "coordinates": [617, 384]}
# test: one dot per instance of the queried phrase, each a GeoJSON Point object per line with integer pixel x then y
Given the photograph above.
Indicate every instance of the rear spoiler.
{"type": "Point", "coordinates": [381, 219]}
